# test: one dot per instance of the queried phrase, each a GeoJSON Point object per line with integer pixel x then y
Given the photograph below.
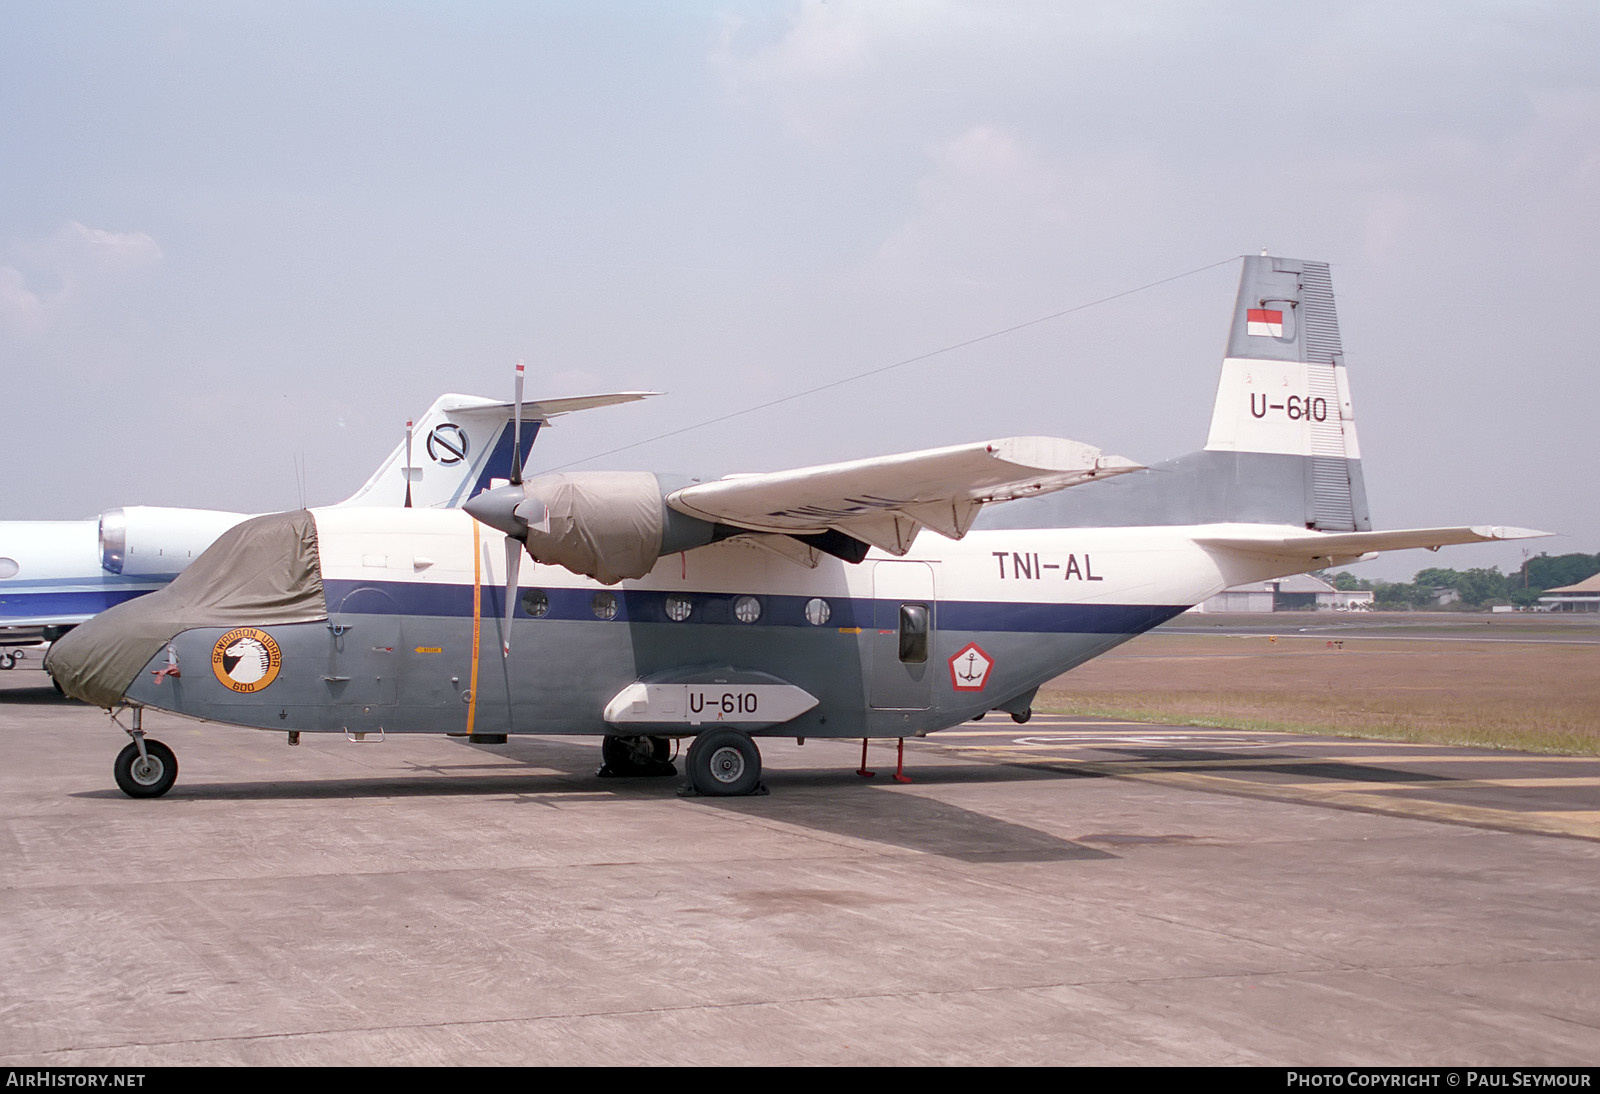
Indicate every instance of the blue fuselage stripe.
{"type": "Point", "coordinates": [716, 609]}
{"type": "Point", "coordinates": [28, 605]}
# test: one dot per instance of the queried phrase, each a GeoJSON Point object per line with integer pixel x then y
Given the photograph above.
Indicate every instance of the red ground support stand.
{"type": "Point", "coordinates": [900, 775]}
{"type": "Point", "coordinates": [900, 764]}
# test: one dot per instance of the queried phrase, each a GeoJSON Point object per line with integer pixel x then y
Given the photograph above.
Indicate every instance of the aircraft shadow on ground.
{"type": "Point", "coordinates": [831, 800]}
{"type": "Point", "coordinates": [46, 696]}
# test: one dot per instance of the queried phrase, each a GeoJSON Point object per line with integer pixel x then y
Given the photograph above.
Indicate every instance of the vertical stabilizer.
{"type": "Point", "coordinates": [462, 447]}
{"type": "Point", "coordinates": [1282, 447]}
{"type": "Point", "coordinates": [1284, 390]}
{"type": "Point", "coordinates": [460, 443]}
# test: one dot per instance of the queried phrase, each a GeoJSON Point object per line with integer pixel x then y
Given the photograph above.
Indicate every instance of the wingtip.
{"type": "Point", "coordinates": [1500, 531]}
{"type": "Point", "coordinates": [1117, 465]}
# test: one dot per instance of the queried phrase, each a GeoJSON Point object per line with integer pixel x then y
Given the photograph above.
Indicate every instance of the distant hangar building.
{"type": "Point", "coordinates": [1299, 593]}
{"type": "Point", "coordinates": [1582, 597]}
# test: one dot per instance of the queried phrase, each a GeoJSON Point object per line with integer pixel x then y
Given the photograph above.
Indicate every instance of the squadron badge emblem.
{"type": "Point", "coordinates": [246, 660]}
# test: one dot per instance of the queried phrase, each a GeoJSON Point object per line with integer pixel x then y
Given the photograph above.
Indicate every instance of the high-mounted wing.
{"type": "Point", "coordinates": [886, 500]}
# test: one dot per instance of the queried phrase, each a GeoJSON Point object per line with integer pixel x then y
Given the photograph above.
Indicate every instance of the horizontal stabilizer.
{"type": "Point", "coordinates": [886, 500]}
{"type": "Point", "coordinates": [1314, 547]}
{"type": "Point", "coordinates": [542, 410]}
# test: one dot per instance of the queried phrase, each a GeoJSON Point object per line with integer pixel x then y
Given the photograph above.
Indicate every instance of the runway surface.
{"type": "Point", "coordinates": [1067, 891]}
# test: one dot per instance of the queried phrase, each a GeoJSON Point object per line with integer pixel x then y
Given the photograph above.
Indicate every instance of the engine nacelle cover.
{"type": "Point", "coordinates": [150, 540]}
{"type": "Point", "coordinates": [604, 524]}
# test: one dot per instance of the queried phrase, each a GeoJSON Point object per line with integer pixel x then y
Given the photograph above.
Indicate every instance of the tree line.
{"type": "Point", "coordinates": [1478, 588]}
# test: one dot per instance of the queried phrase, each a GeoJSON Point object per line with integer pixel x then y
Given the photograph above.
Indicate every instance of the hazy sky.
{"type": "Point", "coordinates": [236, 235]}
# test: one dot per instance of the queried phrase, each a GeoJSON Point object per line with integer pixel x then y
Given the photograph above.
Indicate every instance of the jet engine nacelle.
{"type": "Point", "coordinates": [149, 540]}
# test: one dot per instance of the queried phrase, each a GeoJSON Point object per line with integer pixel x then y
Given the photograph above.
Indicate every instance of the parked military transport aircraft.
{"type": "Point", "coordinates": [801, 603]}
{"type": "Point", "coordinates": [54, 574]}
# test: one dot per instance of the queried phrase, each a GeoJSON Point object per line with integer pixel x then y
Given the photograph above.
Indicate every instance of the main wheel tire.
{"type": "Point", "coordinates": [724, 763]}
{"type": "Point", "coordinates": [140, 778]}
{"type": "Point", "coordinates": [633, 755]}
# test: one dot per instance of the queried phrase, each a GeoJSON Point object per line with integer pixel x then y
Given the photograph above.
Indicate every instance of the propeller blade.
{"type": "Point", "coordinates": [516, 432]}
{"type": "Point", "coordinates": [513, 565]}
{"type": "Point", "coordinates": [408, 465]}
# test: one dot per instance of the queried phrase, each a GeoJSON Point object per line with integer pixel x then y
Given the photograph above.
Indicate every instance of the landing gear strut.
{"type": "Point", "coordinates": [624, 757]}
{"type": "Point", "coordinates": [146, 768]}
{"type": "Point", "coordinates": [724, 763]}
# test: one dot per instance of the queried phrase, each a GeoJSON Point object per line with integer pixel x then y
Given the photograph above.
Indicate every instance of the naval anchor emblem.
{"type": "Point", "coordinates": [969, 668]}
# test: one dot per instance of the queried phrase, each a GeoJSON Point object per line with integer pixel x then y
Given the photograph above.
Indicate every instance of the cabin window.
{"type": "Point", "coordinates": [747, 609]}
{"type": "Point", "coordinates": [604, 605]}
{"type": "Point", "coordinates": [913, 633]}
{"type": "Point", "coordinates": [536, 603]}
{"type": "Point", "coordinates": [817, 611]}
{"type": "Point", "coordinates": [679, 608]}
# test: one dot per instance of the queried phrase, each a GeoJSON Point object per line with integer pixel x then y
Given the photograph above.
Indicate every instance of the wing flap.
{"type": "Point", "coordinates": [886, 500]}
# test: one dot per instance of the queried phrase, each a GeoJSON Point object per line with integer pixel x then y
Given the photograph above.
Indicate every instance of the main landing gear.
{"type": "Point", "coordinates": [724, 763]}
{"type": "Point", "coordinates": [635, 757]}
{"type": "Point", "coordinates": [146, 768]}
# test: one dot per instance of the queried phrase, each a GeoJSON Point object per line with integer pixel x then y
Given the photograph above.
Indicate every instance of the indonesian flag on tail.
{"type": "Point", "coordinates": [1264, 321]}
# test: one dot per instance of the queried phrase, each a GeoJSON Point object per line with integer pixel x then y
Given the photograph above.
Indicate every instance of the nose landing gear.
{"type": "Point", "coordinates": [149, 775]}
{"type": "Point", "coordinates": [146, 768]}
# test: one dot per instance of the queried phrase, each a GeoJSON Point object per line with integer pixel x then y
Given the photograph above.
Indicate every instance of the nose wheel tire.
{"type": "Point", "coordinates": [724, 763]}
{"type": "Point", "coordinates": [141, 777]}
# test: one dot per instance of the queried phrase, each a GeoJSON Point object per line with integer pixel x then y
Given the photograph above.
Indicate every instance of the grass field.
{"type": "Point", "coordinates": [1534, 685]}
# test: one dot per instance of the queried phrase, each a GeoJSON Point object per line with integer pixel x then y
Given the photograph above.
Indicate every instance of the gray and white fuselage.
{"type": "Point", "coordinates": [397, 650]}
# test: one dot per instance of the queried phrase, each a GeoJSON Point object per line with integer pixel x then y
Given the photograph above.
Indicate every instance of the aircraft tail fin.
{"type": "Point", "coordinates": [1284, 391]}
{"type": "Point", "coordinates": [461, 445]}
{"type": "Point", "coordinates": [1282, 446]}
